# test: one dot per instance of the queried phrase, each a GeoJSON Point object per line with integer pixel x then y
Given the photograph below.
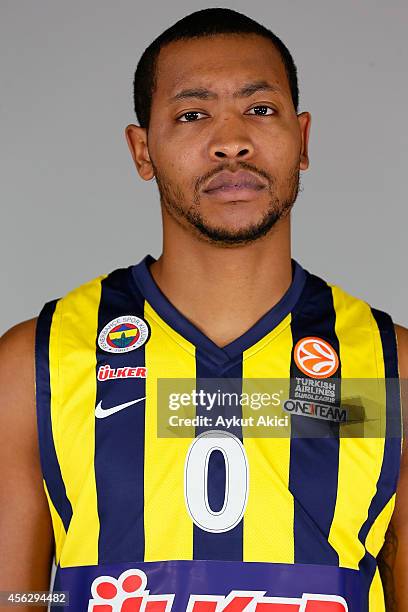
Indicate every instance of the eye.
{"type": "Point", "coordinates": [190, 116]}
{"type": "Point", "coordinates": [262, 110]}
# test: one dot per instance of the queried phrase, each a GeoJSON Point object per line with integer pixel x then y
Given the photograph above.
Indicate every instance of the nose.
{"type": "Point", "coordinates": [230, 141]}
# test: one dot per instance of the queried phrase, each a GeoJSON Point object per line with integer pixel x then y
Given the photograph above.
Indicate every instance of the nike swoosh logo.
{"type": "Point", "coordinates": [101, 413]}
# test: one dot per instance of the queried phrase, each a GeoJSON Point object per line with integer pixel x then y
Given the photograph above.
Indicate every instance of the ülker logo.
{"type": "Point", "coordinates": [128, 594]}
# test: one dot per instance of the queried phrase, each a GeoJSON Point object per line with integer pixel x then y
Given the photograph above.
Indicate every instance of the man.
{"type": "Point", "coordinates": [225, 522]}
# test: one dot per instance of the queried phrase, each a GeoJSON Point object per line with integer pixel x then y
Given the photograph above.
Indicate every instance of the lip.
{"type": "Point", "coordinates": [233, 194]}
{"type": "Point", "coordinates": [234, 183]}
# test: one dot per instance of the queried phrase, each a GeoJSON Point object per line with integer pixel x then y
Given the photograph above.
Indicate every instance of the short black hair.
{"type": "Point", "coordinates": [207, 22]}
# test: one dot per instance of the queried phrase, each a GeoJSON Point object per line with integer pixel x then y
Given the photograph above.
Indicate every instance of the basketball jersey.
{"type": "Point", "coordinates": [202, 522]}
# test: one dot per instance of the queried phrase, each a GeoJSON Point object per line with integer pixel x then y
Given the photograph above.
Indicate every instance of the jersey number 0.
{"type": "Point", "coordinates": [236, 481]}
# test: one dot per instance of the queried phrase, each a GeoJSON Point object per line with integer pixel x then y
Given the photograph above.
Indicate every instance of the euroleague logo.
{"type": "Point", "coordinates": [316, 357]}
{"type": "Point", "coordinates": [123, 334]}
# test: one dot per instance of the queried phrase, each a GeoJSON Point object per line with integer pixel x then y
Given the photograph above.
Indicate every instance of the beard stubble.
{"type": "Point", "coordinates": [173, 200]}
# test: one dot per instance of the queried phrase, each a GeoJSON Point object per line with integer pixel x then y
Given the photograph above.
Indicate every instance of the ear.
{"type": "Point", "coordinates": [305, 121]}
{"type": "Point", "coordinates": [136, 138]}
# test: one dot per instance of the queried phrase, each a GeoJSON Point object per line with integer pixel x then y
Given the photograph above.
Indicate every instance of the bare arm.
{"type": "Point", "coordinates": [393, 557]}
{"type": "Point", "coordinates": [386, 566]}
{"type": "Point", "coordinates": [26, 543]}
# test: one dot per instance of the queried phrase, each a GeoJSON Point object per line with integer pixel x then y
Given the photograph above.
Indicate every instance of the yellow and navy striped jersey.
{"type": "Point", "coordinates": [201, 524]}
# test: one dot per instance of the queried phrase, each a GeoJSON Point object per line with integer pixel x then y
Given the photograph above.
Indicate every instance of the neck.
{"type": "Point", "coordinates": [224, 291]}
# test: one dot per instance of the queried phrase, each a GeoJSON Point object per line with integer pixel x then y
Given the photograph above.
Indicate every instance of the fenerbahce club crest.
{"type": "Point", "coordinates": [123, 334]}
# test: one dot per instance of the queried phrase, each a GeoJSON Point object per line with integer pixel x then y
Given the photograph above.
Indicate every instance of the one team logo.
{"type": "Point", "coordinates": [128, 594]}
{"type": "Point", "coordinates": [316, 411]}
{"type": "Point", "coordinates": [315, 357]}
{"type": "Point", "coordinates": [123, 334]}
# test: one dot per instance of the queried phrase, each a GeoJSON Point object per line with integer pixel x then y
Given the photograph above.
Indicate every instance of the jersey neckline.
{"type": "Point", "coordinates": [183, 326]}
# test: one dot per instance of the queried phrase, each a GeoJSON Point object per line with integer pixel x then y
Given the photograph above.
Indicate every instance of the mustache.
{"type": "Point", "coordinates": [202, 180]}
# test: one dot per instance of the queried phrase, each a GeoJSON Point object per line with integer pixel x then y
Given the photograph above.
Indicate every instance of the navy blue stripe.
{"type": "Point", "coordinates": [227, 546]}
{"type": "Point", "coordinates": [314, 450]}
{"type": "Point", "coordinates": [388, 479]}
{"type": "Point", "coordinates": [119, 438]}
{"type": "Point", "coordinates": [49, 462]}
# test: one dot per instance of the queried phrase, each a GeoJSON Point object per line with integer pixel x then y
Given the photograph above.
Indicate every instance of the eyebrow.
{"type": "Point", "coordinates": [244, 92]}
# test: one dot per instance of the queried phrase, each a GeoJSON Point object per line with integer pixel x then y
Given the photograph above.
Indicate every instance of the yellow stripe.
{"type": "Point", "coordinates": [376, 535]}
{"type": "Point", "coordinates": [73, 383]}
{"type": "Point", "coordinates": [360, 458]}
{"type": "Point", "coordinates": [268, 520]}
{"type": "Point", "coordinates": [168, 527]}
{"type": "Point", "coordinates": [57, 525]}
{"type": "Point", "coordinates": [376, 594]}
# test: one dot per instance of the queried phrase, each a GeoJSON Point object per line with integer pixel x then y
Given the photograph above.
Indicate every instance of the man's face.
{"type": "Point", "coordinates": [224, 141]}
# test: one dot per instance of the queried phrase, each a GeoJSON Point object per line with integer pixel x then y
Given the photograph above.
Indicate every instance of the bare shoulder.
{"type": "Point", "coordinates": [402, 343]}
{"type": "Point", "coordinates": [17, 361]}
{"type": "Point", "coordinates": [17, 372]}
{"type": "Point", "coordinates": [402, 490]}
{"type": "Point", "coordinates": [17, 396]}
{"type": "Point", "coordinates": [20, 336]}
